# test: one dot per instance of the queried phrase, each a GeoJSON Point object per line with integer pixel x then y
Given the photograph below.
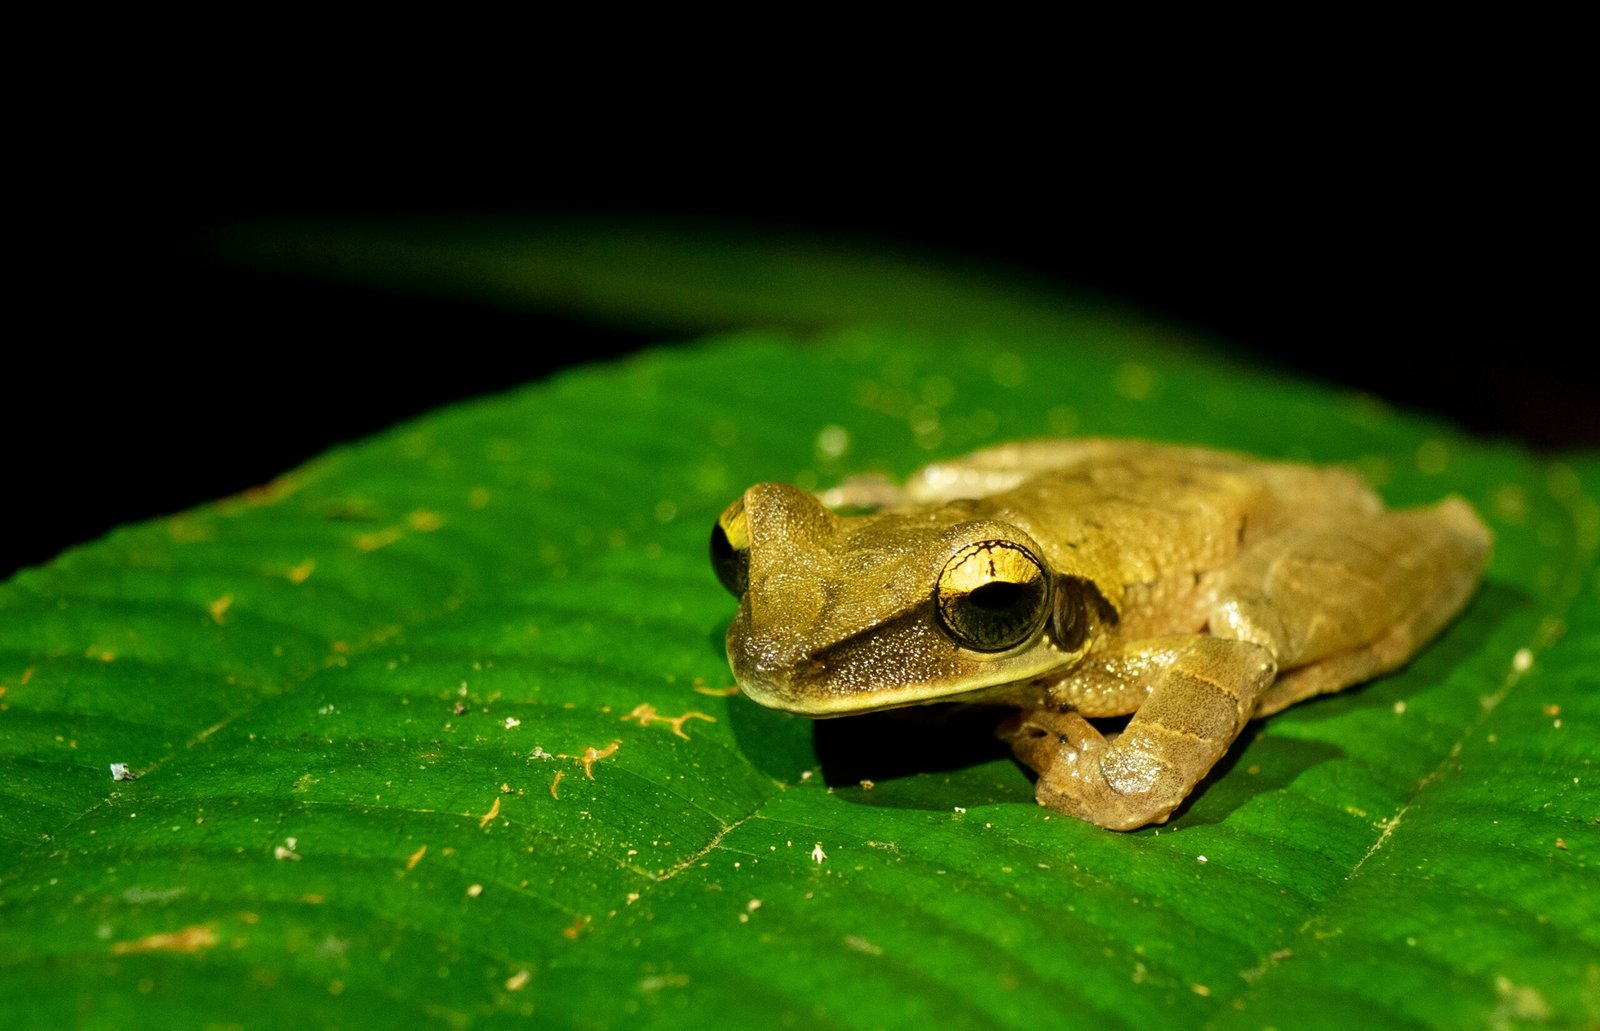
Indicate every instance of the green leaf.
{"type": "Point", "coordinates": [400, 728]}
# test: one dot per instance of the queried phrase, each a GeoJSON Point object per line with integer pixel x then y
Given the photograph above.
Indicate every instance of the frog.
{"type": "Point", "coordinates": [1187, 589]}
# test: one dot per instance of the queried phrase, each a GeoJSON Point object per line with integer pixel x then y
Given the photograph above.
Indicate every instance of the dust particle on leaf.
{"type": "Point", "coordinates": [184, 530]}
{"type": "Point", "coordinates": [1517, 1003]}
{"type": "Point", "coordinates": [1432, 457]}
{"type": "Point", "coordinates": [494, 810]}
{"type": "Point", "coordinates": [856, 943]}
{"type": "Point", "coordinates": [219, 609]}
{"type": "Point", "coordinates": [660, 981]}
{"type": "Point", "coordinates": [190, 939]}
{"type": "Point", "coordinates": [424, 521]}
{"type": "Point", "coordinates": [379, 538]}
{"type": "Point", "coordinates": [1134, 382]}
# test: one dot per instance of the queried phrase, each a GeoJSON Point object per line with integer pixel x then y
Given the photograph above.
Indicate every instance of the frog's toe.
{"type": "Point", "coordinates": [1043, 739]}
{"type": "Point", "coordinates": [1082, 791]}
{"type": "Point", "coordinates": [1080, 778]}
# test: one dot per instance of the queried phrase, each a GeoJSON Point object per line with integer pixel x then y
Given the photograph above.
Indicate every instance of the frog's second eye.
{"type": "Point", "coordinates": [730, 549]}
{"type": "Point", "coordinates": [992, 596]}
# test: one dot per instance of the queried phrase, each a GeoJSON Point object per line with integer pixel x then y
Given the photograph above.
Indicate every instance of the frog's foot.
{"type": "Point", "coordinates": [1119, 790]}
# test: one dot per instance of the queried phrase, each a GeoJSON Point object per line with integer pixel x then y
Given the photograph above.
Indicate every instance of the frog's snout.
{"type": "Point", "coordinates": [771, 669]}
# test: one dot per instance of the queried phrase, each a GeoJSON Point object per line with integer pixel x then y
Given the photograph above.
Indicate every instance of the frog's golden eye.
{"type": "Point", "coordinates": [992, 596]}
{"type": "Point", "coordinates": [730, 549]}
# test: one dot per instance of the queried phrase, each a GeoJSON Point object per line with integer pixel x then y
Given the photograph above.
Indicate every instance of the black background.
{"type": "Point", "coordinates": [1425, 260]}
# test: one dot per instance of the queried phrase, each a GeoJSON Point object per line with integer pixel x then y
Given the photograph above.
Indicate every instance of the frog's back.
{"type": "Point", "coordinates": [1148, 522]}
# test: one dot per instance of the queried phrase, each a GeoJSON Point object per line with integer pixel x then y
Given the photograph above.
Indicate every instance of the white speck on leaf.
{"type": "Point", "coordinates": [817, 855]}
{"type": "Point", "coordinates": [512, 723]}
{"type": "Point", "coordinates": [859, 944]}
{"type": "Point", "coordinates": [120, 771]}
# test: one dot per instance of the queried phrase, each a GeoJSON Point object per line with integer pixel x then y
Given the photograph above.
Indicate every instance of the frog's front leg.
{"type": "Point", "coordinates": [1197, 693]}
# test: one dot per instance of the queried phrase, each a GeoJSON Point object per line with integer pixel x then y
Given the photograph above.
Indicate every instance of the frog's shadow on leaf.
{"type": "Point", "coordinates": [889, 750]}
{"type": "Point", "coordinates": [896, 751]}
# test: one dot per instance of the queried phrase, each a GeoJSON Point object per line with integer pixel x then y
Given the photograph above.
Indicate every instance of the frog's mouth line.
{"type": "Point", "coordinates": [830, 706]}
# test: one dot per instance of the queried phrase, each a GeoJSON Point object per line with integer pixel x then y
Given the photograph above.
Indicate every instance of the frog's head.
{"type": "Point", "coordinates": [843, 614]}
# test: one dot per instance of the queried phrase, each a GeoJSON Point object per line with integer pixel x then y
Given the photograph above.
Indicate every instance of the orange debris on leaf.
{"type": "Point", "coordinates": [646, 714]}
{"type": "Point", "coordinates": [190, 939]}
{"type": "Point", "coordinates": [494, 811]}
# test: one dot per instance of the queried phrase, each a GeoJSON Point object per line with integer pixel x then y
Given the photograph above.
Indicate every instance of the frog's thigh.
{"type": "Point", "coordinates": [1198, 693]}
{"type": "Point", "coordinates": [869, 491]}
{"type": "Point", "coordinates": [1345, 602]}
{"type": "Point", "coordinates": [995, 469]}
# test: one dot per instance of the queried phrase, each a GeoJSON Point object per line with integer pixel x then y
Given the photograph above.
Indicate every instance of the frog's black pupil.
{"type": "Point", "coordinates": [997, 596]}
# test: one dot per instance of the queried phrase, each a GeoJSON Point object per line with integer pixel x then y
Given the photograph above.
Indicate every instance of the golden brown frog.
{"type": "Point", "coordinates": [1195, 589]}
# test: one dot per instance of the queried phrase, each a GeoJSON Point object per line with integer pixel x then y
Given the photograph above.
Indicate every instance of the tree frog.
{"type": "Point", "coordinates": [1073, 579]}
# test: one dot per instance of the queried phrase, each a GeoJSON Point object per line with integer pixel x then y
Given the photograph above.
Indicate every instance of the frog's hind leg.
{"type": "Point", "coordinates": [978, 475]}
{"type": "Point", "coordinates": [1343, 603]}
